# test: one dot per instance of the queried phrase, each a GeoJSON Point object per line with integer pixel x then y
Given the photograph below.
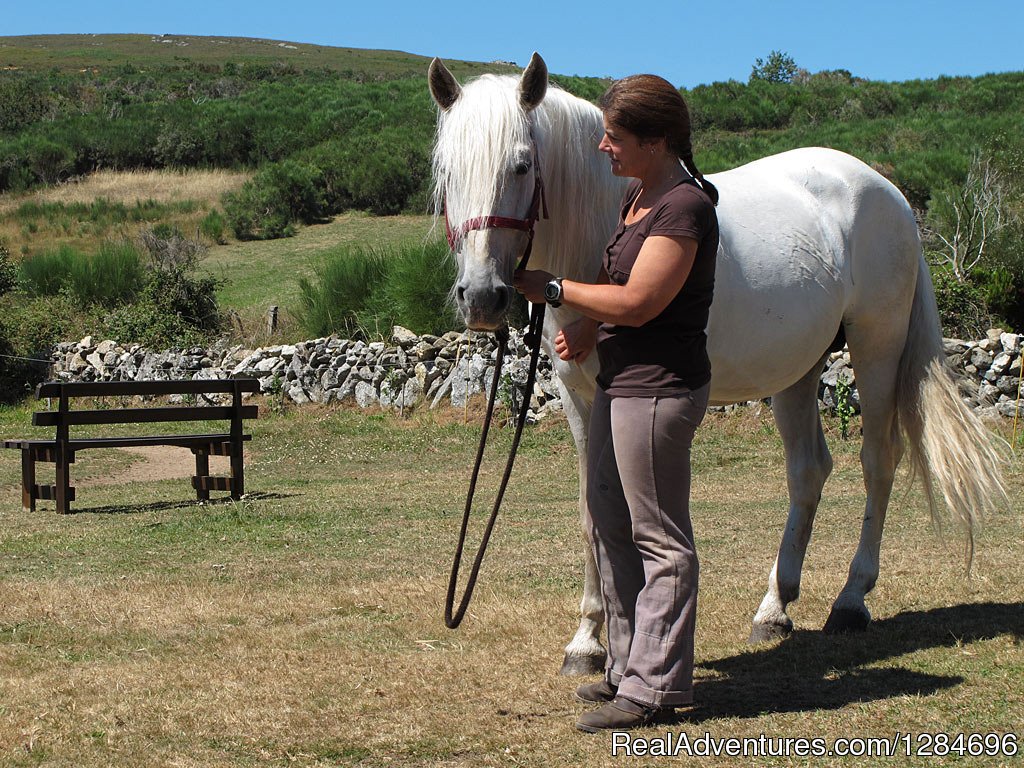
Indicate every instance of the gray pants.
{"type": "Point", "coordinates": [638, 493]}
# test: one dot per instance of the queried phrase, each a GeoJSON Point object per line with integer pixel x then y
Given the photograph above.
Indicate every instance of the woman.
{"type": "Point", "coordinates": [647, 314]}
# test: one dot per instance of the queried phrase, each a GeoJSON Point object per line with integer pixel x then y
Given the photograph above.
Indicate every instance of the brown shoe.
{"type": "Point", "coordinates": [620, 714]}
{"type": "Point", "coordinates": [597, 693]}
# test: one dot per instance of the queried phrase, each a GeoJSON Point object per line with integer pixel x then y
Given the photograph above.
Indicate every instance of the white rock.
{"type": "Point", "coordinates": [403, 336]}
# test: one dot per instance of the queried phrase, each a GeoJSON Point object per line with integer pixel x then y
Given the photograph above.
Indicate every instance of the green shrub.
{"type": "Point", "coordinates": [255, 213]}
{"type": "Point", "coordinates": [271, 202]}
{"type": "Point", "coordinates": [213, 227]}
{"type": "Point", "coordinates": [192, 298]}
{"type": "Point", "coordinates": [29, 329]}
{"type": "Point", "coordinates": [362, 293]}
{"type": "Point", "coordinates": [1002, 288]}
{"type": "Point", "coordinates": [339, 300]}
{"type": "Point", "coordinates": [419, 279]}
{"type": "Point", "coordinates": [114, 275]}
{"type": "Point", "coordinates": [150, 325]}
{"type": "Point", "coordinates": [8, 271]}
{"type": "Point", "coordinates": [163, 304]}
{"type": "Point", "coordinates": [962, 308]}
{"type": "Point", "coordinates": [47, 273]}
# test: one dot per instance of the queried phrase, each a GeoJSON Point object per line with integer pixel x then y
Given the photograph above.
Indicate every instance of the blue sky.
{"type": "Point", "coordinates": [687, 42]}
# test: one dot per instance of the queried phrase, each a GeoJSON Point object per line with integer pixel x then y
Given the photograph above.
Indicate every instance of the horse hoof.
{"type": "Point", "coordinates": [842, 621]}
{"type": "Point", "coordinates": [579, 666]}
{"type": "Point", "coordinates": [765, 632]}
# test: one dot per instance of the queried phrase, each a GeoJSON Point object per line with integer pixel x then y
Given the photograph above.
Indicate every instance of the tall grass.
{"type": "Point", "coordinates": [100, 212]}
{"type": "Point", "coordinates": [361, 292]}
{"type": "Point", "coordinates": [46, 273]}
{"type": "Point", "coordinates": [114, 275]}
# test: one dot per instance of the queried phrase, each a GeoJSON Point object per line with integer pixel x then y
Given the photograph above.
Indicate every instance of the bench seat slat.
{"type": "Point", "coordinates": [184, 441]}
{"type": "Point", "coordinates": [141, 415]}
{"type": "Point", "coordinates": [127, 388]}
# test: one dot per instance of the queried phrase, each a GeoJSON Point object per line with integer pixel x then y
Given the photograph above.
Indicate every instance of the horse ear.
{"type": "Point", "coordinates": [443, 86]}
{"type": "Point", "coordinates": [534, 84]}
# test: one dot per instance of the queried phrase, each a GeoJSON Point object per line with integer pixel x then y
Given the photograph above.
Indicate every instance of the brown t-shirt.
{"type": "Point", "coordinates": [667, 355]}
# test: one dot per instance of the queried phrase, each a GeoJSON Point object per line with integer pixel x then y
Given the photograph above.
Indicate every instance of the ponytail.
{"type": "Point", "coordinates": [691, 168]}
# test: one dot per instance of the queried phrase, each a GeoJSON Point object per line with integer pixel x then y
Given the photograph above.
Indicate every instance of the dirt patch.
{"type": "Point", "coordinates": [158, 462]}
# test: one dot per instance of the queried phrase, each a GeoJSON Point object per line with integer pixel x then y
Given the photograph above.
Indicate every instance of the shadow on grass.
{"type": "Point", "coordinates": [157, 506]}
{"type": "Point", "coordinates": [814, 671]}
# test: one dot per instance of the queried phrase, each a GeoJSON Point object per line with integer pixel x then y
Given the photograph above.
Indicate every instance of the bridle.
{"type": "Point", "coordinates": [538, 208]}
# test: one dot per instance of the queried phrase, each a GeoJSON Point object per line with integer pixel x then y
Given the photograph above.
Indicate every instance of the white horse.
{"type": "Point", "coordinates": [815, 247]}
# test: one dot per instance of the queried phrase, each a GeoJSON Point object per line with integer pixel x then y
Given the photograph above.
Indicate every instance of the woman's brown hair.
{"type": "Point", "coordinates": [649, 107]}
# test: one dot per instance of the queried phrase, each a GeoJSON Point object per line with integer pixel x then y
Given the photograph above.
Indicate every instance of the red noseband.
{"type": "Point", "coordinates": [538, 209]}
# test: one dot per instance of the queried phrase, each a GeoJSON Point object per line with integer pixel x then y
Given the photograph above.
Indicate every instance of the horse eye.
{"type": "Point", "coordinates": [521, 168]}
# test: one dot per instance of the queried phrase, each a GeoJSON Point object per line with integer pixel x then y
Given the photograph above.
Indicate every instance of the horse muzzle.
{"type": "Point", "coordinates": [483, 307]}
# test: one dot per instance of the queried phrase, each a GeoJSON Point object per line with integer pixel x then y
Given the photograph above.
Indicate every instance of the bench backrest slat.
{"type": "Point", "coordinates": [127, 388]}
{"type": "Point", "coordinates": [140, 415]}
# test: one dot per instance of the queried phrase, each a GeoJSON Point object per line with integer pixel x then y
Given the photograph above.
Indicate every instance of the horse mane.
{"type": "Point", "coordinates": [476, 140]}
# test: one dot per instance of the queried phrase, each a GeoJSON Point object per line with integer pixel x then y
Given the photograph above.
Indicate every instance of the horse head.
{"type": "Point", "coordinates": [487, 181]}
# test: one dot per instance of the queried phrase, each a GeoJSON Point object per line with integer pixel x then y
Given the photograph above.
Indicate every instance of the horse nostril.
{"type": "Point", "coordinates": [460, 294]}
{"type": "Point", "coordinates": [502, 301]}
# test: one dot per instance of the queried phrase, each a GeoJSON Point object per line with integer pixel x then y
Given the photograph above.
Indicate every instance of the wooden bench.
{"type": "Point", "coordinates": [61, 450]}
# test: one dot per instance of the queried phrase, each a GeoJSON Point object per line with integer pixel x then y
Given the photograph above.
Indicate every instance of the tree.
{"type": "Point", "coordinates": [779, 68]}
{"type": "Point", "coordinates": [970, 217]}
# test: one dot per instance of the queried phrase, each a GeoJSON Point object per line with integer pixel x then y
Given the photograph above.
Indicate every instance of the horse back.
{"type": "Point", "coordinates": [807, 237]}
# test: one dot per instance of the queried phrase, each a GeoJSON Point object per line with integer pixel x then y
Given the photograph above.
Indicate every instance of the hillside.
{"type": "Point", "coordinates": [70, 53]}
{"type": "Point", "coordinates": [303, 133]}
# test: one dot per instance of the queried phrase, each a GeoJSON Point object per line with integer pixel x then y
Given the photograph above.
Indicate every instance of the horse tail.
{"type": "Point", "coordinates": [949, 448]}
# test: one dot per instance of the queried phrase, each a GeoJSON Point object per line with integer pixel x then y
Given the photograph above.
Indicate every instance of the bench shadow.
{"type": "Point", "coordinates": [157, 506]}
{"type": "Point", "coordinates": [813, 671]}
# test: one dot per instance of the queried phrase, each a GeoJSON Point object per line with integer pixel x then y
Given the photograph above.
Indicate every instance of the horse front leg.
{"type": "Point", "coordinates": [584, 655]}
{"type": "Point", "coordinates": [808, 464]}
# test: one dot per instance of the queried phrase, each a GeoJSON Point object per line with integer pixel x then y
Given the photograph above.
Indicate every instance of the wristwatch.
{"type": "Point", "coordinates": [553, 292]}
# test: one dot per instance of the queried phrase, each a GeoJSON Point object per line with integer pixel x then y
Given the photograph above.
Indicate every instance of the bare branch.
{"type": "Point", "coordinates": [979, 212]}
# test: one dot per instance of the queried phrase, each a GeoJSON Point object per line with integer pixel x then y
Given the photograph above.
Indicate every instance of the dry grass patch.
{"type": "Point", "coordinates": [178, 198]}
{"type": "Point", "coordinates": [130, 187]}
{"type": "Point", "coordinates": [302, 627]}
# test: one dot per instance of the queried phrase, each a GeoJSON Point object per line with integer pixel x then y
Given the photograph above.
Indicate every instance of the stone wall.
{"type": "Point", "coordinates": [414, 370]}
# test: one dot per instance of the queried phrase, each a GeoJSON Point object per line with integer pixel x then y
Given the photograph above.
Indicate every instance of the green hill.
{"type": "Point", "coordinates": [69, 53]}
{"type": "Point", "coordinates": [325, 130]}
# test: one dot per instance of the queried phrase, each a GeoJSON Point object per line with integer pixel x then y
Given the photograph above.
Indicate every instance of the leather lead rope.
{"type": "Point", "coordinates": [533, 336]}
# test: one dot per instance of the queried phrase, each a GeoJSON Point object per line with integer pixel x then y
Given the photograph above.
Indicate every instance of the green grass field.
{"type": "Point", "coordinates": [302, 626]}
{"type": "Point", "coordinates": [259, 274]}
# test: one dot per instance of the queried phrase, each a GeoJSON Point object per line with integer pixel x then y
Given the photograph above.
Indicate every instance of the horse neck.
{"type": "Point", "coordinates": [582, 194]}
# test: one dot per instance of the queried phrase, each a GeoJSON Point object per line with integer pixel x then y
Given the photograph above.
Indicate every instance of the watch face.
{"type": "Point", "coordinates": [551, 291]}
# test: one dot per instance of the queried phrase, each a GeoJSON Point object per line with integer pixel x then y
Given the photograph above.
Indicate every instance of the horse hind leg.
{"type": "Point", "coordinates": [584, 655]}
{"type": "Point", "coordinates": [808, 464]}
{"type": "Point", "coordinates": [881, 451]}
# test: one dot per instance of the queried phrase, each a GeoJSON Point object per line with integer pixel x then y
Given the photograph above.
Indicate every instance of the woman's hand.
{"type": "Point", "coordinates": [531, 282]}
{"type": "Point", "coordinates": [577, 340]}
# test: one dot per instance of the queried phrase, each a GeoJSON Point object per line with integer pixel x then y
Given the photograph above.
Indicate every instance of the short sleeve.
{"type": "Point", "coordinates": [683, 212]}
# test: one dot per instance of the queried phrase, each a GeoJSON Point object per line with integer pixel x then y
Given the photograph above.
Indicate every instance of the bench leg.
{"type": "Point", "coordinates": [202, 470]}
{"type": "Point", "coordinates": [63, 481]}
{"type": "Point", "coordinates": [237, 472]}
{"type": "Point", "coordinates": [28, 480]}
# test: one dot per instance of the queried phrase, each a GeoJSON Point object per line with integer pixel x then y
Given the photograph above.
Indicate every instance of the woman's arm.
{"type": "Point", "coordinates": [660, 271]}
